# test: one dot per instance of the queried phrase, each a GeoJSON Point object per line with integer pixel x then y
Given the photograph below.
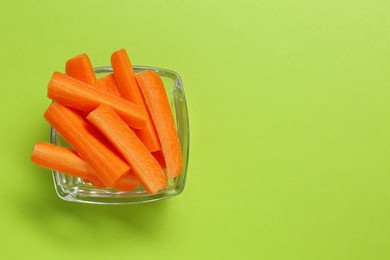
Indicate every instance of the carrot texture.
{"type": "Point", "coordinates": [128, 182]}
{"type": "Point", "coordinates": [143, 164]}
{"type": "Point", "coordinates": [68, 162]}
{"type": "Point", "coordinates": [106, 164]}
{"type": "Point", "coordinates": [108, 84]}
{"type": "Point", "coordinates": [156, 99]}
{"type": "Point", "coordinates": [129, 89]}
{"type": "Point", "coordinates": [96, 183]}
{"type": "Point", "coordinates": [80, 67]}
{"type": "Point", "coordinates": [160, 158]}
{"type": "Point", "coordinates": [81, 96]}
{"type": "Point", "coordinates": [61, 159]}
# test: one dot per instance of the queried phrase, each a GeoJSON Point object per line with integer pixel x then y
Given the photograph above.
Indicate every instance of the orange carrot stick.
{"type": "Point", "coordinates": [156, 98]}
{"type": "Point", "coordinates": [61, 159]}
{"type": "Point", "coordinates": [143, 164]}
{"type": "Point", "coordinates": [129, 90]}
{"type": "Point", "coordinates": [108, 84]}
{"type": "Point", "coordinates": [67, 161]}
{"type": "Point", "coordinates": [79, 95]}
{"type": "Point", "coordinates": [160, 158]}
{"type": "Point", "coordinates": [69, 124]}
{"type": "Point", "coordinates": [96, 184]}
{"type": "Point", "coordinates": [80, 67]}
{"type": "Point", "coordinates": [127, 183]}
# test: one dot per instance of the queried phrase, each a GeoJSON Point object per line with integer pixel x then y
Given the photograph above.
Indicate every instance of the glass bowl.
{"type": "Point", "coordinates": [75, 189]}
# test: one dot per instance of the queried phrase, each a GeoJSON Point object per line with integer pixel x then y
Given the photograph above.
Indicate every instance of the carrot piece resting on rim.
{"type": "Point", "coordinates": [129, 89]}
{"type": "Point", "coordinates": [67, 161]}
{"type": "Point", "coordinates": [62, 159]}
{"type": "Point", "coordinates": [156, 99]}
{"type": "Point", "coordinates": [106, 164]}
{"type": "Point", "coordinates": [80, 67]}
{"type": "Point", "coordinates": [81, 96]}
{"type": "Point", "coordinates": [142, 163]}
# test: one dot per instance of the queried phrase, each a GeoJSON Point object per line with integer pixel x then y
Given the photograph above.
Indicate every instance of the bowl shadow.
{"type": "Point", "coordinates": [59, 219]}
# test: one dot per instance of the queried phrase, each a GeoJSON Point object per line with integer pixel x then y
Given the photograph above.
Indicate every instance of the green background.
{"type": "Point", "coordinates": [289, 116]}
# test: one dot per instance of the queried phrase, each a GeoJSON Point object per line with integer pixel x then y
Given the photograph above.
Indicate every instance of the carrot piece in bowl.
{"type": "Point", "coordinates": [129, 89]}
{"type": "Point", "coordinates": [156, 99]}
{"type": "Point", "coordinates": [81, 136]}
{"type": "Point", "coordinates": [142, 162]}
{"type": "Point", "coordinates": [108, 84]}
{"type": "Point", "coordinates": [81, 96]}
{"type": "Point", "coordinates": [62, 159]}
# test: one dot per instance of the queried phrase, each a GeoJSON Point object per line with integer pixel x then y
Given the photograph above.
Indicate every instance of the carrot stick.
{"type": "Point", "coordinates": [143, 164]}
{"type": "Point", "coordinates": [67, 161]}
{"type": "Point", "coordinates": [96, 184]}
{"type": "Point", "coordinates": [125, 77]}
{"type": "Point", "coordinates": [129, 89]}
{"type": "Point", "coordinates": [80, 68]}
{"type": "Point", "coordinates": [127, 183]}
{"type": "Point", "coordinates": [108, 84]}
{"type": "Point", "coordinates": [160, 158]}
{"type": "Point", "coordinates": [79, 95]}
{"type": "Point", "coordinates": [156, 98]}
{"type": "Point", "coordinates": [63, 160]}
{"type": "Point", "coordinates": [70, 125]}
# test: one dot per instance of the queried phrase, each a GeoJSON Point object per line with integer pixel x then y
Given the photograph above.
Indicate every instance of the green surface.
{"type": "Point", "coordinates": [289, 113]}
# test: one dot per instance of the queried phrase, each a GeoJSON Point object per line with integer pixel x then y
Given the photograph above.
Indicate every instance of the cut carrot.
{"type": "Point", "coordinates": [70, 125]}
{"type": "Point", "coordinates": [96, 184]}
{"type": "Point", "coordinates": [128, 182]}
{"type": "Point", "coordinates": [160, 158]}
{"type": "Point", "coordinates": [79, 95]}
{"type": "Point", "coordinates": [108, 84]}
{"type": "Point", "coordinates": [125, 77]}
{"type": "Point", "coordinates": [129, 89]}
{"type": "Point", "coordinates": [143, 164]}
{"type": "Point", "coordinates": [80, 67]}
{"type": "Point", "coordinates": [63, 160]}
{"type": "Point", "coordinates": [68, 162]}
{"type": "Point", "coordinates": [156, 98]}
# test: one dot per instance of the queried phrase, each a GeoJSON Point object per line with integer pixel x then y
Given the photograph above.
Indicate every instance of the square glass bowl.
{"type": "Point", "coordinates": [75, 189]}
